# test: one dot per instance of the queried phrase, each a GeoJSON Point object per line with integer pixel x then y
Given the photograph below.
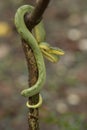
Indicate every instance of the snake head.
{"type": "Point", "coordinates": [51, 53]}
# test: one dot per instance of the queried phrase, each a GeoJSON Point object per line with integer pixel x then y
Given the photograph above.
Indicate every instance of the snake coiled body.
{"type": "Point", "coordinates": [29, 38]}
{"type": "Point", "coordinates": [36, 41]}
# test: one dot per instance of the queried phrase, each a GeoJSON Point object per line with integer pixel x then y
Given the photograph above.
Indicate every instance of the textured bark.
{"type": "Point", "coordinates": [33, 75]}
{"type": "Point", "coordinates": [31, 20]}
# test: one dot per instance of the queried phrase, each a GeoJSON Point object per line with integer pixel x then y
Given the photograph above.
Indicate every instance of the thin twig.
{"type": "Point", "coordinates": [31, 20]}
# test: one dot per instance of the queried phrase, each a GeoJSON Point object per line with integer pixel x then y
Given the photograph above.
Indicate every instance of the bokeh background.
{"type": "Point", "coordinates": [65, 91]}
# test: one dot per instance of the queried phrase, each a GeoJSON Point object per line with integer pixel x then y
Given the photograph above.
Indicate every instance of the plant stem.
{"type": "Point", "coordinates": [31, 20]}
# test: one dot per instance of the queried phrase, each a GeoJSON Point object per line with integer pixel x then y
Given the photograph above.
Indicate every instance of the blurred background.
{"type": "Point", "coordinates": [65, 91]}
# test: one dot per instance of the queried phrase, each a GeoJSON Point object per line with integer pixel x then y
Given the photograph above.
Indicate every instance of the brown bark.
{"type": "Point", "coordinates": [31, 20]}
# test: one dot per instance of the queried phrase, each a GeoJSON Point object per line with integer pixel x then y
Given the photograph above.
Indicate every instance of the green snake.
{"type": "Point", "coordinates": [36, 40]}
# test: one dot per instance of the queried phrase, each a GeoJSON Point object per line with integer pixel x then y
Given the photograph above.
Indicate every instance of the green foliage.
{"type": "Point", "coordinates": [67, 121]}
{"type": "Point", "coordinates": [71, 122]}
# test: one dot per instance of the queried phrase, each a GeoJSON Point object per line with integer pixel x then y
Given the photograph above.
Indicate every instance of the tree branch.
{"type": "Point", "coordinates": [31, 20]}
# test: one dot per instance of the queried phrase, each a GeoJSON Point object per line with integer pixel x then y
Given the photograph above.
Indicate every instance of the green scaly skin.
{"type": "Point", "coordinates": [36, 41]}
{"type": "Point", "coordinates": [29, 38]}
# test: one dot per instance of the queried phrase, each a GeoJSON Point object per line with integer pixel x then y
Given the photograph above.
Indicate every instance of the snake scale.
{"type": "Point", "coordinates": [39, 47]}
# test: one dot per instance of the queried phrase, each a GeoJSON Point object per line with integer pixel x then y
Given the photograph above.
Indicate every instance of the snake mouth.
{"type": "Point", "coordinates": [51, 53]}
{"type": "Point", "coordinates": [51, 57]}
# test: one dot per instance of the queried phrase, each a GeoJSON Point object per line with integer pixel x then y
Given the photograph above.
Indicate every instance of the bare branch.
{"type": "Point", "coordinates": [32, 19]}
